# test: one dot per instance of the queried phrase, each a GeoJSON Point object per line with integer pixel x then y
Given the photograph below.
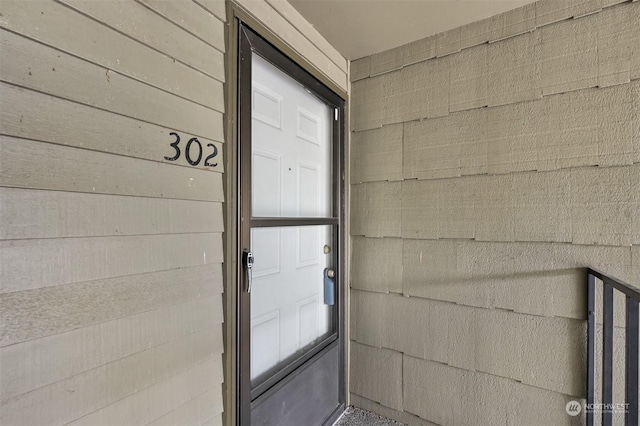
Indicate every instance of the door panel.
{"type": "Point", "coordinates": [266, 186]}
{"type": "Point", "coordinates": [291, 177]}
{"type": "Point", "coordinates": [291, 143]}
{"type": "Point", "coordinates": [287, 290]}
{"type": "Point", "coordinates": [308, 399]}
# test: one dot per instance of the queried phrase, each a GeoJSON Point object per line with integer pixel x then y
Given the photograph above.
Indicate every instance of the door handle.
{"type": "Point", "coordinates": [329, 287]}
{"type": "Point", "coordinates": [247, 262]}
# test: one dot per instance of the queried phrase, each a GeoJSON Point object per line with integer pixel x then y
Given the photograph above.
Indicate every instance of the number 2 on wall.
{"type": "Point", "coordinates": [188, 151]}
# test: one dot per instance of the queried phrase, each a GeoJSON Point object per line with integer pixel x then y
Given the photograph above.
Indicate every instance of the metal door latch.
{"type": "Point", "coordinates": [247, 262]}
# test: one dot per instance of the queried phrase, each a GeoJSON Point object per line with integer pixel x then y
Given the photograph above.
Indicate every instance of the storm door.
{"type": "Point", "coordinates": [290, 354]}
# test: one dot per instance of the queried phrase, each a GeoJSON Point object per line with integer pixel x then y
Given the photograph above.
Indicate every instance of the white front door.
{"type": "Point", "coordinates": [290, 316]}
{"type": "Point", "coordinates": [291, 177]}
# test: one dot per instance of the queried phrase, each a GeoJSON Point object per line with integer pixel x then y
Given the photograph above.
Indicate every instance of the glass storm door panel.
{"type": "Point", "coordinates": [291, 349]}
{"type": "Point", "coordinates": [291, 147]}
{"type": "Point", "coordinates": [288, 310]}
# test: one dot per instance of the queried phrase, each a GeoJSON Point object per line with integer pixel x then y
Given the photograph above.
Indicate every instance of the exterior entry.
{"type": "Point", "coordinates": [290, 292]}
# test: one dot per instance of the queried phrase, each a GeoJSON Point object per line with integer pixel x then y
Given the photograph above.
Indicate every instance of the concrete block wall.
{"type": "Point", "coordinates": [489, 165]}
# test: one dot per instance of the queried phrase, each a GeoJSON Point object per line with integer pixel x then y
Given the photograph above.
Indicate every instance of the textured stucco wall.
{"type": "Point", "coordinates": [489, 164]}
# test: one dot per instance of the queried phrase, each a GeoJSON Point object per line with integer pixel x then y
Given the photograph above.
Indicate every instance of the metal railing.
{"type": "Point", "coordinates": [609, 284]}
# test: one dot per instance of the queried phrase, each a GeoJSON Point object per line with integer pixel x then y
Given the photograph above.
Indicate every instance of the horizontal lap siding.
{"type": "Point", "coordinates": [32, 65]}
{"type": "Point", "coordinates": [39, 263]}
{"type": "Point", "coordinates": [519, 138]}
{"type": "Point", "coordinates": [114, 50]}
{"type": "Point", "coordinates": [111, 305]}
{"type": "Point", "coordinates": [110, 383]}
{"type": "Point", "coordinates": [135, 20]}
{"type": "Point", "coordinates": [56, 214]}
{"type": "Point", "coordinates": [29, 164]}
{"type": "Point", "coordinates": [45, 118]}
{"type": "Point", "coordinates": [33, 364]}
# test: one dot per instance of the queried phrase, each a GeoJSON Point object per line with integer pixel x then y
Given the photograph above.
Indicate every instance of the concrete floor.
{"type": "Point", "coordinates": [357, 417]}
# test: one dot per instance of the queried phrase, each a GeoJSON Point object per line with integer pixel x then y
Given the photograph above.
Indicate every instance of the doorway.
{"type": "Point", "coordinates": [290, 242]}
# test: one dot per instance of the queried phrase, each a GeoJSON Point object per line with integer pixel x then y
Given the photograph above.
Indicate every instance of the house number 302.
{"type": "Point", "coordinates": [188, 151]}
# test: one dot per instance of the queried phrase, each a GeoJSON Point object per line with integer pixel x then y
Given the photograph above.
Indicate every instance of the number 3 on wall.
{"type": "Point", "coordinates": [187, 151]}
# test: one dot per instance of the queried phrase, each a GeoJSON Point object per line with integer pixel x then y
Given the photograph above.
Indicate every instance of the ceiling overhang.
{"type": "Point", "coordinates": [358, 28]}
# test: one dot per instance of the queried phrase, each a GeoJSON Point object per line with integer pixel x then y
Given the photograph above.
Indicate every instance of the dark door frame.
{"type": "Point", "coordinates": [249, 41]}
